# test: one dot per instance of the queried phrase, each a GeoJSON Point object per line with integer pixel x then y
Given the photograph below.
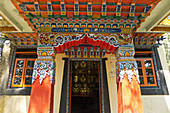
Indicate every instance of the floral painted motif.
{"type": "Point", "coordinates": [126, 64]}
{"type": "Point", "coordinates": [111, 39]}
{"type": "Point", "coordinates": [45, 51]}
{"type": "Point", "coordinates": [128, 67]}
{"type": "Point", "coordinates": [125, 51]}
{"type": "Point", "coordinates": [56, 39]}
{"type": "Point", "coordinates": [43, 68]}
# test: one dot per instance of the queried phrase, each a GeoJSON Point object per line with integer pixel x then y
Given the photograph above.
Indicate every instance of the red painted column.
{"type": "Point", "coordinates": [41, 100]}
{"type": "Point", "coordinates": [42, 92]}
{"type": "Point", "coordinates": [128, 87]}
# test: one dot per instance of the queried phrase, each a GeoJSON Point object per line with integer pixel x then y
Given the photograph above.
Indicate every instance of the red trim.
{"type": "Point", "coordinates": [86, 41]}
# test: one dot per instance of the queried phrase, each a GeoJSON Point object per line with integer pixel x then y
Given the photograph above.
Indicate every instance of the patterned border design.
{"type": "Point", "coordinates": [125, 51]}
{"type": "Point", "coordinates": [111, 39]}
{"type": "Point", "coordinates": [75, 21]}
{"type": "Point", "coordinates": [85, 52]}
{"type": "Point", "coordinates": [143, 46]}
{"type": "Point", "coordinates": [68, 88]}
{"type": "Point", "coordinates": [126, 64]}
{"type": "Point", "coordinates": [128, 67]}
{"type": "Point", "coordinates": [43, 68]}
{"type": "Point", "coordinates": [115, 11]}
{"type": "Point", "coordinates": [84, 30]}
{"type": "Point", "coordinates": [44, 51]}
{"type": "Point", "coordinates": [106, 25]}
{"type": "Point", "coordinates": [101, 83]}
{"type": "Point", "coordinates": [167, 29]}
{"type": "Point", "coordinates": [56, 39]}
{"type": "Point", "coordinates": [156, 68]}
{"type": "Point", "coordinates": [68, 82]}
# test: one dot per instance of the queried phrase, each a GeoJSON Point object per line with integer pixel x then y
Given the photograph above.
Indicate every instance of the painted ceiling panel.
{"type": "Point", "coordinates": [147, 2]}
{"type": "Point", "coordinates": [25, 1]}
{"type": "Point", "coordinates": [112, 1]}
{"type": "Point", "coordinates": [88, 16]}
{"type": "Point", "coordinates": [94, 9]}
{"type": "Point", "coordinates": [69, 1]}
{"type": "Point", "coordinates": [41, 1]}
{"type": "Point", "coordinates": [127, 1]}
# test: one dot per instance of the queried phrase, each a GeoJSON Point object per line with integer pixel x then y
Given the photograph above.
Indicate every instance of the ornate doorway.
{"type": "Point", "coordinates": [85, 87]}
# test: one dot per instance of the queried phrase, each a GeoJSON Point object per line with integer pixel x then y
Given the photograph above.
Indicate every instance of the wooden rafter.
{"type": "Point", "coordinates": [156, 1]}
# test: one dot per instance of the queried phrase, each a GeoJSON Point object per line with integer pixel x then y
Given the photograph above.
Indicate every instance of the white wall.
{"type": "Point", "coordinates": [58, 81]}
{"type": "Point", "coordinates": [14, 104]}
{"type": "Point", "coordinates": [112, 86]}
{"type": "Point", "coordinates": [156, 104]}
{"type": "Point", "coordinates": [159, 103]}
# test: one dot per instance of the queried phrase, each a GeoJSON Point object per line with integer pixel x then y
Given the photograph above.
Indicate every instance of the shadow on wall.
{"type": "Point", "coordinates": [156, 104]}
{"type": "Point", "coordinates": [14, 104]}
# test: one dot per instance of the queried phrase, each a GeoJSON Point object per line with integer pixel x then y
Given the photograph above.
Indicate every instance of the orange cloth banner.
{"type": "Point", "coordinates": [129, 96]}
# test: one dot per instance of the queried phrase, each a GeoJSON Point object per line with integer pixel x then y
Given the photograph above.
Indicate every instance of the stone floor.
{"type": "Point", "coordinates": [85, 105]}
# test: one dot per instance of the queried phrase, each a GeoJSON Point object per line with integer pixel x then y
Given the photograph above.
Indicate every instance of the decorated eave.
{"type": "Point", "coordinates": [69, 23]}
{"type": "Point", "coordinates": [146, 38]}
{"type": "Point", "coordinates": [23, 38]}
{"type": "Point", "coordinates": [104, 42]}
{"type": "Point", "coordinates": [163, 25]}
{"type": "Point", "coordinates": [47, 14]}
{"type": "Point", "coordinates": [5, 25]}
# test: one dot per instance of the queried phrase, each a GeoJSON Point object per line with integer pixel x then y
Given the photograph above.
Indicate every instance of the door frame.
{"type": "Point", "coordinates": [101, 90]}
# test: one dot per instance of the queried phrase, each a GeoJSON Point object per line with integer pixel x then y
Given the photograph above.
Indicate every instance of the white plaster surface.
{"type": "Point", "coordinates": [159, 103]}
{"type": "Point", "coordinates": [58, 81]}
{"type": "Point", "coordinates": [156, 104]}
{"type": "Point", "coordinates": [14, 104]}
{"type": "Point", "coordinates": [112, 86]}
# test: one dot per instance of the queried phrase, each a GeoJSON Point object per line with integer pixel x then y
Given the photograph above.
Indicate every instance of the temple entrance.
{"type": "Point", "coordinates": [85, 87]}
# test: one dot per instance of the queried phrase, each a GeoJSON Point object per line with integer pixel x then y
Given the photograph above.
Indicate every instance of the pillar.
{"type": "Point", "coordinates": [5, 49]}
{"type": "Point", "coordinates": [41, 99]}
{"type": "Point", "coordinates": [128, 87]}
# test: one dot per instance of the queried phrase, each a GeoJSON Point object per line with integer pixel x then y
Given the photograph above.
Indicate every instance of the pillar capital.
{"type": "Point", "coordinates": [126, 64]}
{"type": "Point", "coordinates": [127, 67]}
{"type": "Point", "coordinates": [125, 51]}
{"type": "Point", "coordinates": [44, 64]}
{"type": "Point", "coordinates": [45, 52]}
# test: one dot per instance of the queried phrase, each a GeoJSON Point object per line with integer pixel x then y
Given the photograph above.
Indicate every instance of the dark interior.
{"type": "Point", "coordinates": [85, 87]}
